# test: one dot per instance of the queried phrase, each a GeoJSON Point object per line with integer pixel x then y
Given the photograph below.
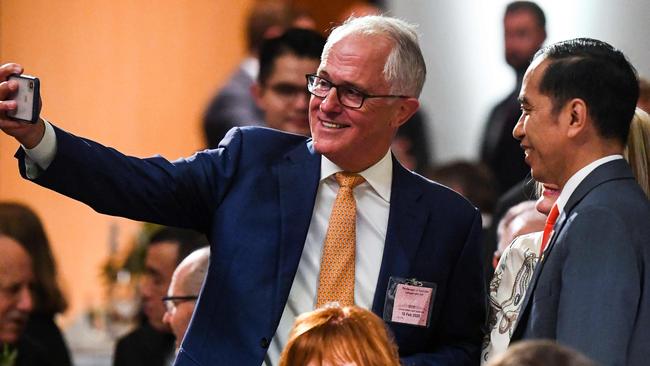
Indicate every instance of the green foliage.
{"type": "Point", "coordinates": [133, 261]}
{"type": "Point", "coordinates": [8, 356]}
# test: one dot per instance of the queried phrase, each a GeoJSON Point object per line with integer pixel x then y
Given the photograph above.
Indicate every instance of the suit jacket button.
{"type": "Point", "coordinates": [264, 342]}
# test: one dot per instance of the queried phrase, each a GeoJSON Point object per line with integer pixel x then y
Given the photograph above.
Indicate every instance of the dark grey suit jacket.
{"type": "Point", "coordinates": [233, 106]}
{"type": "Point", "coordinates": [592, 291]}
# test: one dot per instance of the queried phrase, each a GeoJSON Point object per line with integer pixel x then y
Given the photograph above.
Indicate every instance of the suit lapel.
{"type": "Point", "coordinates": [616, 169]}
{"type": "Point", "coordinates": [406, 222]}
{"type": "Point", "coordinates": [298, 176]}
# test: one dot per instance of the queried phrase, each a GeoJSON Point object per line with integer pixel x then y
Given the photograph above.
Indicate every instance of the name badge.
{"type": "Point", "coordinates": [409, 301]}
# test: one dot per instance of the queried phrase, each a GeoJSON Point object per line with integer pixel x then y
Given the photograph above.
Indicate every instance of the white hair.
{"type": "Point", "coordinates": [405, 70]}
{"type": "Point", "coordinates": [197, 262]}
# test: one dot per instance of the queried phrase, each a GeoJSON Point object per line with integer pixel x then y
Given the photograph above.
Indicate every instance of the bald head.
{"type": "Point", "coordinates": [184, 288]}
{"type": "Point", "coordinates": [190, 273]}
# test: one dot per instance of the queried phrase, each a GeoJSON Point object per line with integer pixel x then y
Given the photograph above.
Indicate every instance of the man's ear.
{"type": "Point", "coordinates": [256, 92]}
{"type": "Point", "coordinates": [407, 108]}
{"type": "Point", "coordinates": [578, 116]}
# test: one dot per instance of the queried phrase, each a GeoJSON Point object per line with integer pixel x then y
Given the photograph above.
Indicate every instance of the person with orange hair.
{"type": "Point", "coordinates": [339, 336]}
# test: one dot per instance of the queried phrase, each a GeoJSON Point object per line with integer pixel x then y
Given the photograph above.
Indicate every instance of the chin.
{"type": "Point", "coordinates": [319, 146]}
{"type": "Point", "coordinates": [302, 132]}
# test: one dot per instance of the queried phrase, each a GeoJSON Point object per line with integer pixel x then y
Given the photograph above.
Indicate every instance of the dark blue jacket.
{"type": "Point", "coordinates": [254, 196]}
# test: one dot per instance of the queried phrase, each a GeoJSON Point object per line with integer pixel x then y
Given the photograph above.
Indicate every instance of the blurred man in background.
{"type": "Point", "coordinates": [524, 26]}
{"type": "Point", "coordinates": [234, 104]}
{"type": "Point", "coordinates": [152, 343]}
{"type": "Point", "coordinates": [281, 88]}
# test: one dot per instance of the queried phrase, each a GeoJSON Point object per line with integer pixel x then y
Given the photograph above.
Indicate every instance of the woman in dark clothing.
{"type": "Point", "coordinates": [21, 223]}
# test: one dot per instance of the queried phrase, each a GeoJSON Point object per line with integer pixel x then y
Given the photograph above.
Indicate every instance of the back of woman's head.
{"type": "Point", "coordinates": [20, 223]}
{"type": "Point", "coordinates": [335, 336]}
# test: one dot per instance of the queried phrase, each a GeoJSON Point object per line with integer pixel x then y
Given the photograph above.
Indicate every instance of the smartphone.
{"type": "Point", "coordinates": [27, 98]}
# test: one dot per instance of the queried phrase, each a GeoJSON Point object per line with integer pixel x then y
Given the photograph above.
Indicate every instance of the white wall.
{"type": "Point", "coordinates": [462, 42]}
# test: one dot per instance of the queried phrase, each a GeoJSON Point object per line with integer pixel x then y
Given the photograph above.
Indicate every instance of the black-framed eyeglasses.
{"type": "Point", "coordinates": [348, 96]}
{"type": "Point", "coordinates": [172, 301]}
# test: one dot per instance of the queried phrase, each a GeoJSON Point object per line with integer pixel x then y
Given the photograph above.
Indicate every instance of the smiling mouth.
{"type": "Point", "coordinates": [551, 190]}
{"type": "Point", "coordinates": [333, 125]}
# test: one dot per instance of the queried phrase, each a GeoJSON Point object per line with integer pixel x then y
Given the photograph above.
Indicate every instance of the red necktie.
{"type": "Point", "coordinates": [548, 228]}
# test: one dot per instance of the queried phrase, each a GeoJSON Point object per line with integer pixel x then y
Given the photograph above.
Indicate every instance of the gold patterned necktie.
{"type": "Point", "coordinates": [336, 279]}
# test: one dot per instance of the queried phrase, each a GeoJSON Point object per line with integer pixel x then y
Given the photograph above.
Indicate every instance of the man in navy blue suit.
{"type": "Point", "coordinates": [264, 199]}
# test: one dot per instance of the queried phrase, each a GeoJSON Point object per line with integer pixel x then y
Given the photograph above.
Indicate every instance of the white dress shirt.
{"type": "Point", "coordinates": [373, 203]}
{"type": "Point", "coordinates": [577, 178]}
{"type": "Point", "coordinates": [41, 154]}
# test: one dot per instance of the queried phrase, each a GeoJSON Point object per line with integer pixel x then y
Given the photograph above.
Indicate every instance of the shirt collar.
{"type": "Point", "coordinates": [578, 177]}
{"type": "Point", "coordinates": [379, 175]}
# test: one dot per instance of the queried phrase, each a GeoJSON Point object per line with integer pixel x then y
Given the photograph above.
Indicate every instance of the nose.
{"type": "Point", "coordinates": [301, 102]}
{"type": "Point", "coordinates": [331, 104]}
{"type": "Point", "coordinates": [146, 286]}
{"type": "Point", "coordinates": [167, 318]}
{"type": "Point", "coordinates": [518, 131]}
{"type": "Point", "coordinates": [25, 301]}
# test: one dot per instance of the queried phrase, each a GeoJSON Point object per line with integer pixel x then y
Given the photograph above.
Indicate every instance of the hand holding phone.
{"type": "Point", "coordinates": [27, 99]}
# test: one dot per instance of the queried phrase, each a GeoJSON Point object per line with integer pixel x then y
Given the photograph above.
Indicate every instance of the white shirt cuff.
{"type": "Point", "coordinates": [42, 154]}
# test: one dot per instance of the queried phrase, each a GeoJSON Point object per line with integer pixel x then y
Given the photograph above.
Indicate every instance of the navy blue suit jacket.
{"type": "Point", "coordinates": [592, 291]}
{"type": "Point", "coordinates": [254, 197]}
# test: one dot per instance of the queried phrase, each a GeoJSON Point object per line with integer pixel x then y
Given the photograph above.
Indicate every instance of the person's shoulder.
{"type": "Point", "coordinates": [437, 194]}
{"type": "Point", "coordinates": [530, 242]}
{"type": "Point", "coordinates": [133, 338]}
{"type": "Point", "coordinates": [507, 103]}
{"type": "Point", "coordinates": [623, 197]}
{"type": "Point", "coordinates": [31, 352]}
{"type": "Point", "coordinates": [143, 341]}
{"type": "Point", "coordinates": [263, 138]}
{"type": "Point", "coordinates": [271, 133]}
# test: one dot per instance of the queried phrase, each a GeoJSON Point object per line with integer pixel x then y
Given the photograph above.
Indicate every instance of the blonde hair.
{"type": "Point", "coordinates": [336, 335]}
{"type": "Point", "coordinates": [637, 151]}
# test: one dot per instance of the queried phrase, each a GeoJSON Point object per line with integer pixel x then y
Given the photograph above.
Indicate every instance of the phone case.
{"type": "Point", "coordinates": [27, 98]}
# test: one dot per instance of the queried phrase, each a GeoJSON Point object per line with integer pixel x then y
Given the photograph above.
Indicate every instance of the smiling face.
{"type": "Point", "coordinates": [16, 278]}
{"type": "Point", "coordinates": [355, 139]}
{"type": "Point", "coordinates": [542, 131]}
